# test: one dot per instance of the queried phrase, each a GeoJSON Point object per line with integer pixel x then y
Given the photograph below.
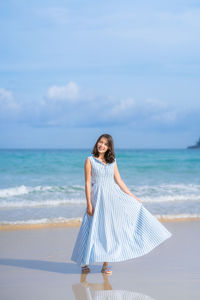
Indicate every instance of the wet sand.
{"type": "Point", "coordinates": [35, 264]}
{"type": "Point", "coordinates": [77, 223]}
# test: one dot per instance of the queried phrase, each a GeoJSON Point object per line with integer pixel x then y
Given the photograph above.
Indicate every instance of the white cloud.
{"type": "Point", "coordinates": [169, 117]}
{"type": "Point", "coordinates": [68, 92]}
{"type": "Point", "coordinates": [5, 96]}
{"type": "Point", "coordinates": [156, 103]}
{"type": "Point", "coordinates": [123, 106]}
{"type": "Point", "coordinates": [159, 111]}
{"type": "Point", "coordinates": [62, 107]}
{"type": "Point", "coordinates": [7, 100]}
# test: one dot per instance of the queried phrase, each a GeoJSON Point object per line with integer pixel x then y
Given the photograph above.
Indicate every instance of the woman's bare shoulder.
{"type": "Point", "coordinates": [88, 159]}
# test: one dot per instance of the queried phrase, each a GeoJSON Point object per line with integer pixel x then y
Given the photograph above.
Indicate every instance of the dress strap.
{"type": "Point", "coordinates": [90, 158]}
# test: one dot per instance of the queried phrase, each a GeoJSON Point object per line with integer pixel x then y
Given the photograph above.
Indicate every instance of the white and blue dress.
{"type": "Point", "coordinates": [121, 228]}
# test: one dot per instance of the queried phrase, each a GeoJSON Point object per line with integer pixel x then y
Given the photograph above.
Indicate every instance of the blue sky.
{"type": "Point", "coordinates": [72, 70]}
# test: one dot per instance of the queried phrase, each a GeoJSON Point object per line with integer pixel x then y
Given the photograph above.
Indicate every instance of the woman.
{"type": "Point", "coordinates": [116, 226]}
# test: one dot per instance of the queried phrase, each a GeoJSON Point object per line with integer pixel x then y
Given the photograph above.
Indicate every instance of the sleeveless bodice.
{"type": "Point", "coordinates": [101, 173]}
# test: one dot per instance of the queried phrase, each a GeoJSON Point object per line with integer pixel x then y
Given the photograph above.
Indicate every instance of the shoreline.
{"type": "Point", "coordinates": [77, 223]}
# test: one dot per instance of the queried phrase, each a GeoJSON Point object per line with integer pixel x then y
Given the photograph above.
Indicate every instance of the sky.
{"type": "Point", "coordinates": [73, 70]}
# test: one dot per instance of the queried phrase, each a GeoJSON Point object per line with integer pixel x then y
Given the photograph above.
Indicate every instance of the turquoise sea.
{"type": "Point", "coordinates": [42, 186]}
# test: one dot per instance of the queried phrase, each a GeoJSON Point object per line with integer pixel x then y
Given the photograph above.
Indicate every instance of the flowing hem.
{"type": "Point", "coordinates": [142, 253]}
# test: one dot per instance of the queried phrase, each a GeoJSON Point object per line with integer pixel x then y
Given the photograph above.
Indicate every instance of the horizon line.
{"type": "Point", "coordinates": [34, 148]}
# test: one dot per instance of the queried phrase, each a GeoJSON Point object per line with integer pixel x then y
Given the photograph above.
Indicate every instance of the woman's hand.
{"type": "Point", "coordinates": [136, 198]}
{"type": "Point", "coordinates": [90, 210]}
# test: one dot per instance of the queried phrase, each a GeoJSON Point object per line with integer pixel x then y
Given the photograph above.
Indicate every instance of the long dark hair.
{"type": "Point", "coordinates": [110, 153]}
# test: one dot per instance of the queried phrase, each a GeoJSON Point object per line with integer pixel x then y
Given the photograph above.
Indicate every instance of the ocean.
{"type": "Point", "coordinates": [47, 186]}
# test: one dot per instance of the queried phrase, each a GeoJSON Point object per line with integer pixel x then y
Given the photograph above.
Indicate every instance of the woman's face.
{"type": "Point", "coordinates": [102, 145]}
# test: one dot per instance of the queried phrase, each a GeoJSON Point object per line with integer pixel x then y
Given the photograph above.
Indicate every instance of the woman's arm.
{"type": "Point", "coordinates": [87, 168]}
{"type": "Point", "coordinates": [121, 184]}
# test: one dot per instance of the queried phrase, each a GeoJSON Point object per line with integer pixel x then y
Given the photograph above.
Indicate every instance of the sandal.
{"type": "Point", "coordinates": [85, 269]}
{"type": "Point", "coordinates": [106, 270]}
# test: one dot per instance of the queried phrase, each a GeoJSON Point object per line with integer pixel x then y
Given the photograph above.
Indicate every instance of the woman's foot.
{"type": "Point", "coordinates": [85, 269]}
{"type": "Point", "coordinates": [106, 270]}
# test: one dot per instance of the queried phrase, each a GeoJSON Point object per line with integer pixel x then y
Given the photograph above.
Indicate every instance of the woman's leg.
{"type": "Point", "coordinates": [85, 268]}
{"type": "Point", "coordinates": [106, 269]}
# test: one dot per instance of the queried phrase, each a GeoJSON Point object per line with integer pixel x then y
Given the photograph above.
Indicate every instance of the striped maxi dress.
{"type": "Point", "coordinates": [121, 228]}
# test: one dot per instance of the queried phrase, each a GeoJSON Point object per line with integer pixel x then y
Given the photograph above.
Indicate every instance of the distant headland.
{"type": "Point", "coordinates": [196, 146]}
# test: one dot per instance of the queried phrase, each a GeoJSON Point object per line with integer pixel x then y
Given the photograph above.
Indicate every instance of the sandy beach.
{"type": "Point", "coordinates": [35, 264]}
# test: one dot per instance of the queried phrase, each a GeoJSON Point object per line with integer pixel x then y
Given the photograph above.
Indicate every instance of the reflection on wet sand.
{"type": "Point", "coordinates": [103, 291]}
